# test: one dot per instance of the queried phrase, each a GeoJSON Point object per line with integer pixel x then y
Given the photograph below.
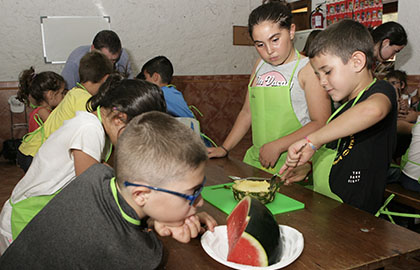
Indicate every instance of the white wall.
{"type": "Point", "coordinates": [195, 35]}
{"type": "Point", "coordinates": [409, 58]}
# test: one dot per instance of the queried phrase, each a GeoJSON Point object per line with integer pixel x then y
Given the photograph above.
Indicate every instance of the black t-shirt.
{"type": "Point", "coordinates": [358, 175]}
{"type": "Point", "coordinates": [82, 228]}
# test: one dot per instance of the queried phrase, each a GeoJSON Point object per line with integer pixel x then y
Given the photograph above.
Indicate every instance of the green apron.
{"type": "Point", "coordinates": [272, 118]}
{"type": "Point", "coordinates": [24, 211]}
{"type": "Point", "coordinates": [323, 159]}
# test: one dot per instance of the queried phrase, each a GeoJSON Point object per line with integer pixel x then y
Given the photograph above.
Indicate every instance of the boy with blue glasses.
{"type": "Point", "coordinates": [101, 220]}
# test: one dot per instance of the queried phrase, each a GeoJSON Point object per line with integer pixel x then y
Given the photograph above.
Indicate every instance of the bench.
{"type": "Point", "coordinates": [403, 196]}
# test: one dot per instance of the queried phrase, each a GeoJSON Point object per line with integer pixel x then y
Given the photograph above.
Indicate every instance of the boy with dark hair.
{"type": "Point", "coordinates": [105, 41]}
{"type": "Point", "coordinates": [159, 70]}
{"type": "Point", "coordinates": [407, 114]}
{"type": "Point", "coordinates": [398, 79]}
{"type": "Point", "coordinates": [94, 69]}
{"type": "Point", "coordinates": [99, 221]}
{"type": "Point", "coordinates": [352, 153]}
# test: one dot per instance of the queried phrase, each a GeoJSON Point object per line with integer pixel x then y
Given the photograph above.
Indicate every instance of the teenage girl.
{"type": "Point", "coordinates": [389, 38]}
{"type": "Point", "coordinates": [43, 91]}
{"type": "Point", "coordinates": [285, 101]}
{"type": "Point", "coordinates": [79, 143]}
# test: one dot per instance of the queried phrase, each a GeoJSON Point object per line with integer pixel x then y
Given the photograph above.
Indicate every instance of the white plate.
{"type": "Point", "coordinates": [216, 245]}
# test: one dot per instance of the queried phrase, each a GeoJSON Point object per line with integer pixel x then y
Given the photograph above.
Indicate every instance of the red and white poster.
{"type": "Point", "coordinates": [367, 12]}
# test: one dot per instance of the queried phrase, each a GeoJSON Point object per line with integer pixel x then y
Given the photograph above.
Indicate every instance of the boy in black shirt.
{"type": "Point", "coordinates": [358, 141]}
{"type": "Point", "coordinates": [98, 220]}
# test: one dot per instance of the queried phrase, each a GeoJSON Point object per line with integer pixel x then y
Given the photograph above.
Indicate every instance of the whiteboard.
{"type": "Point", "coordinates": [62, 34]}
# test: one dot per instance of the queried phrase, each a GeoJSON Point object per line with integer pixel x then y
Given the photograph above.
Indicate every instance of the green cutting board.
{"type": "Point", "coordinates": [222, 198]}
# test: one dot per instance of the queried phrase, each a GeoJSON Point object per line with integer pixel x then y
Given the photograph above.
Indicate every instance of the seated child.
{"type": "Point", "coordinates": [99, 220]}
{"type": "Point", "coordinates": [159, 70]}
{"type": "Point", "coordinates": [45, 89]}
{"type": "Point", "coordinates": [42, 91]}
{"type": "Point", "coordinates": [93, 70]}
{"type": "Point", "coordinates": [79, 143]}
{"type": "Point", "coordinates": [358, 141]}
{"type": "Point", "coordinates": [407, 102]}
{"type": "Point", "coordinates": [406, 114]}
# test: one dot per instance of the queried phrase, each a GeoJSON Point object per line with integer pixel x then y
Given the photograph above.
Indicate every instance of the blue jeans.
{"type": "Point", "coordinates": [24, 161]}
{"type": "Point", "coordinates": [409, 183]}
{"type": "Point", "coordinates": [395, 175]}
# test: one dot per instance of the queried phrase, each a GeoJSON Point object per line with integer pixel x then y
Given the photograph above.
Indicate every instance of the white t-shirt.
{"type": "Point", "coordinates": [53, 166]}
{"type": "Point", "coordinates": [268, 75]}
{"type": "Point", "coordinates": [410, 169]}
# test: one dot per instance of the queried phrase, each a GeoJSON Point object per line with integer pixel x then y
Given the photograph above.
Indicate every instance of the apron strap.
{"type": "Point", "coordinates": [354, 103]}
{"type": "Point", "coordinates": [124, 215]}
{"type": "Point", "coordinates": [291, 77]}
{"type": "Point", "coordinates": [294, 69]}
{"type": "Point", "coordinates": [40, 128]}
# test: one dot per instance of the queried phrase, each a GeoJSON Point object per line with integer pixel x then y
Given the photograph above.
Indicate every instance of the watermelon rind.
{"type": "Point", "coordinates": [263, 196]}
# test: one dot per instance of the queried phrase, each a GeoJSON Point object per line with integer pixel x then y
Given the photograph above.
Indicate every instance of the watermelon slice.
{"type": "Point", "coordinates": [253, 234]}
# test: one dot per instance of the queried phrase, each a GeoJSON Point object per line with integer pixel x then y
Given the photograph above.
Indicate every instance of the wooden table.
{"type": "Point", "coordinates": [336, 235]}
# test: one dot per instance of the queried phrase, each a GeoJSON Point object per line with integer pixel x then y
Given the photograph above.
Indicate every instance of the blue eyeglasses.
{"type": "Point", "coordinates": [191, 198]}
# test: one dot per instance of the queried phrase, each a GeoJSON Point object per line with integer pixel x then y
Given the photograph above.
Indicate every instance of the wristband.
{"type": "Point", "coordinates": [311, 144]}
{"type": "Point", "coordinates": [227, 151]}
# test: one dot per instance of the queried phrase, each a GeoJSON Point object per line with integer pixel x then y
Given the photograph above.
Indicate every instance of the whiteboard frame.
{"type": "Point", "coordinates": [72, 35]}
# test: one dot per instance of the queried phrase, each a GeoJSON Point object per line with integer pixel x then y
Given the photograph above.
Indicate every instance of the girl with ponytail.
{"type": "Point", "coordinates": [42, 91]}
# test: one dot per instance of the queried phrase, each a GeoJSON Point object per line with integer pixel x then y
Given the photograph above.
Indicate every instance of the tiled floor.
{"type": "Point", "coordinates": [10, 175]}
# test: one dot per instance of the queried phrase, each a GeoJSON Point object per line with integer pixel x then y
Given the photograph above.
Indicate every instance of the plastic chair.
{"type": "Point", "coordinates": [190, 122]}
{"type": "Point", "coordinates": [384, 211]}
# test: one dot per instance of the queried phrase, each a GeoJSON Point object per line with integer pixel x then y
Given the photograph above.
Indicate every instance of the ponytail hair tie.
{"type": "Point", "coordinates": [34, 75]}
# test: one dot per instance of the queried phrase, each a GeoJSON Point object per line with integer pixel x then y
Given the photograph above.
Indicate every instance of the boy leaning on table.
{"type": "Point", "coordinates": [99, 221]}
{"type": "Point", "coordinates": [352, 153]}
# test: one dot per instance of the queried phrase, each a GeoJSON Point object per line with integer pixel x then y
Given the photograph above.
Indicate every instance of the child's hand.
{"type": "Point", "coordinates": [207, 220]}
{"type": "Point", "coordinates": [298, 154]}
{"type": "Point", "coordinates": [189, 229]}
{"type": "Point", "coordinates": [215, 152]}
{"type": "Point", "coordinates": [269, 154]}
{"type": "Point", "coordinates": [296, 174]}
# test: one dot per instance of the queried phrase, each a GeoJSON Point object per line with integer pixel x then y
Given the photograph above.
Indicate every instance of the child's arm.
{"type": "Point", "coordinates": [82, 161]}
{"type": "Point", "coordinates": [239, 129]}
{"type": "Point", "coordinates": [410, 116]}
{"type": "Point", "coordinates": [358, 118]}
{"type": "Point", "coordinates": [319, 106]}
{"type": "Point", "coordinates": [43, 114]}
{"type": "Point", "coordinates": [190, 228]}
